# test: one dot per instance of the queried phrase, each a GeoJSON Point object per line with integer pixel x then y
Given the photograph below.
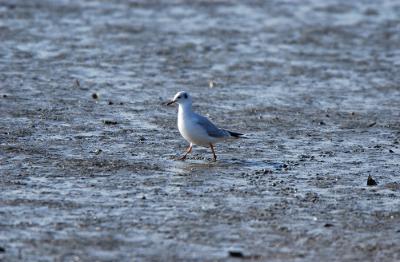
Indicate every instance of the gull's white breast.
{"type": "Point", "coordinates": [192, 131]}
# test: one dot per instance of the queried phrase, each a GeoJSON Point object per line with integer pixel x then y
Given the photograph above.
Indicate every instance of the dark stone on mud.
{"type": "Point", "coordinates": [328, 225]}
{"type": "Point", "coordinates": [2, 249]}
{"type": "Point", "coordinates": [95, 96]}
{"type": "Point", "coordinates": [322, 123]}
{"type": "Point", "coordinates": [372, 124]}
{"type": "Point", "coordinates": [4, 96]}
{"type": "Point", "coordinates": [283, 229]}
{"type": "Point", "coordinates": [142, 138]}
{"type": "Point", "coordinates": [371, 181]}
{"type": "Point", "coordinates": [121, 103]}
{"type": "Point", "coordinates": [235, 253]}
{"type": "Point", "coordinates": [110, 103]}
{"type": "Point", "coordinates": [110, 122]}
{"type": "Point", "coordinates": [391, 151]}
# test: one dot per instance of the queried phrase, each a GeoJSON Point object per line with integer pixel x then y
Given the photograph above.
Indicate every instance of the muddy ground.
{"type": "Point", "coordinates": [314, 84]}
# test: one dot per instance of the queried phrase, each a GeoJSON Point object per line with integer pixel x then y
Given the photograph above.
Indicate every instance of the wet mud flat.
{"type": "Point", "coordinates": [87, 148]}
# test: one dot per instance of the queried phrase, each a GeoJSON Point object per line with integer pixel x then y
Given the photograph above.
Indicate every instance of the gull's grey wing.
{"type": "Point", "coordinates": [210, 128]}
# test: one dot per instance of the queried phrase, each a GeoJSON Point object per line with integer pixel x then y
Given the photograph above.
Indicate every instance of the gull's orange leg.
{"type": "Point", "coordinates": [188, 150]}
{"type": "Point", "coordinates": [214, 155]}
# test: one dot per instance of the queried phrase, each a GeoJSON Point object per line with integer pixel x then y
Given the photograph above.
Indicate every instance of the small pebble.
{"type": "Point", "coordinates": [371, 181]}
{"type": "Point", "coordinates": [110, 102]}
{"type": "Point", "coordinates": [391, 151]}
{"type": "Point", "coordinates": [235, 253]}
{"type": "Point", "coordinates": [2, 249]}
{"type": "Point", "coordinates": [110, 122]}
{"type": "Point", "coordinates": [98, 151]}
{"type": "Point", "coordinates": [328, 225]}
{"type": "Point", "coordinates": [211, 83]}
{"type": "Point", "coordinates": [95, 96]}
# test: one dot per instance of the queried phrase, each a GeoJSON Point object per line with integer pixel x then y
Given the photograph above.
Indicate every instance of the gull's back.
{"type": "Point", "coordinates": [209, 127]}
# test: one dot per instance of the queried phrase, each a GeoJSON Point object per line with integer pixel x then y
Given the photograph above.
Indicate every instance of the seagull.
{"type": "Point", "coordinates": [197, 129]}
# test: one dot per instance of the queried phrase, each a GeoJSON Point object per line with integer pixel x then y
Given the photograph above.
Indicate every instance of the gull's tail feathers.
{"type": "Point", "coordinates": [236, 135]}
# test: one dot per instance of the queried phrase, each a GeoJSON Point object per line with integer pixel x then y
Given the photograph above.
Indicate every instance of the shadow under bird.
{"type": "Point", "coordinates": [197, 129]}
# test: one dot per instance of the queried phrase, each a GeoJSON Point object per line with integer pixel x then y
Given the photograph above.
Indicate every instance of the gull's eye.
{"type": "Point", "coordinates": [179, 97]}
{"type": "Point", "coordinates": [185, 95]}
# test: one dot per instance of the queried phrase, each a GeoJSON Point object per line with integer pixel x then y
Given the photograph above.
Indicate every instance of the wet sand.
{"type": "Point", "coordinates": [315, 86]}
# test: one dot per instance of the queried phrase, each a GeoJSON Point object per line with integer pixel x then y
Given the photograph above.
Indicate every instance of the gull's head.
{"type": "Point", "coordinates": [181, 98]}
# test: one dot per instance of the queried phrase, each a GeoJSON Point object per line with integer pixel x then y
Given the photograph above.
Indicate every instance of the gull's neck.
{"type": "Point", "coordinates": [185, 109]}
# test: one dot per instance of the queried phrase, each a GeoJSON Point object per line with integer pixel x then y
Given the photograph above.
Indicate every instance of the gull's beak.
{"type": "Point", "coordinates": [171, 102]}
